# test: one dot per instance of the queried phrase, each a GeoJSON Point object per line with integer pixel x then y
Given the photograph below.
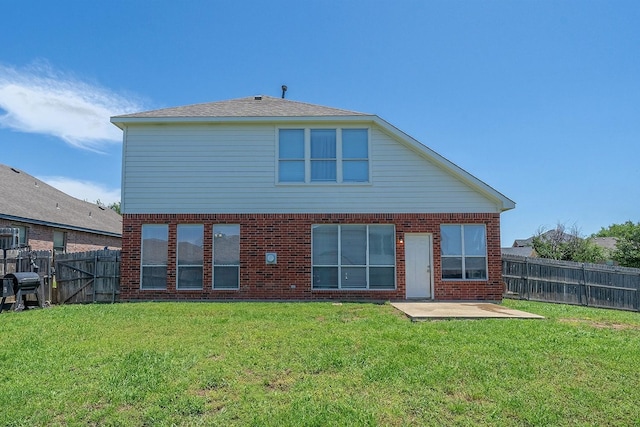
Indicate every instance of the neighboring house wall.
{"type": "Point", "coordinates": [40, 238]}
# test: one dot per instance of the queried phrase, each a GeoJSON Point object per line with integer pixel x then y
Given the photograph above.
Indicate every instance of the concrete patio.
{"type": "Point", "coordinates": [423, 310]}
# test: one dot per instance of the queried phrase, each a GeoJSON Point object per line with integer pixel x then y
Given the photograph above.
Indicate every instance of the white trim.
{"type": "Point", "coordinates": [308, 160]}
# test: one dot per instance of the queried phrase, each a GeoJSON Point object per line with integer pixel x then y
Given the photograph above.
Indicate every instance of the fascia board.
{"type": "Point", "coordinates": [122, 122]}
{"type": "Point", "coordinates": [447, 165]}
{"type": "Point", "coordinates": [58, 225]}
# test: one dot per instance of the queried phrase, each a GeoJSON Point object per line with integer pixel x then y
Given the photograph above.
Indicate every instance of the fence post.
{"type": "Point", "coordinates": [584, 284]}
{"type": "Point", "coordinates": [638, 294]}
{"type": "Point", "coordinates": [95, 275]}
{"type": "Point", "coordinates": [527, 283]}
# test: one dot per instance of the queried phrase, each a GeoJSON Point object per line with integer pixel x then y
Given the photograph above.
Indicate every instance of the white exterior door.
{"type": "Point", "coordinates": [418, 260]}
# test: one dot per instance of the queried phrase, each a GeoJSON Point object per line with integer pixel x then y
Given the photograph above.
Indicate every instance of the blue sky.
{"type": "Point", "coordinates": [539, 99]}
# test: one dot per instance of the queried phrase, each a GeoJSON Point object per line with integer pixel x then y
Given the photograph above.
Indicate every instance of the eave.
{"type": "Point", "coordinates": [58, 225]}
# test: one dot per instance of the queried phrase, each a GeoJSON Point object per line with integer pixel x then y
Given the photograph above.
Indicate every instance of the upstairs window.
{"type": "Point", "coordinates": [355, 155]}
{"type": "Point", "coordinates": [323, 156]}
{"type": "Point", "coordinates": [291, 149]}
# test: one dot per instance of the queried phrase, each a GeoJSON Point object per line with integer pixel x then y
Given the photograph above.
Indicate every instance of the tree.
{"type": "Point", "coordinates": [627, 251]}
{"type": "Point", "coordinates": [566, 245]}
{"type": "Point", "coordinates": [115, 206]}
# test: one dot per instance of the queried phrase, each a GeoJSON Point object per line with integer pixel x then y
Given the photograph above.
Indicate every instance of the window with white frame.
{"type": "Point", "coordinates": [155, 239]}
{"type": "Point", "coordinates": [464, 251]}
{"type": "Point", "coordinates": [323, 155]}
{"type": "Point", "coordinates": [353, 256]}
{"type": "Point", "coordinates": [226, 256]}
{"type": "Point", "coordinates": [190, 256]}
{"type": "Point", "coordinates": [59, 242]}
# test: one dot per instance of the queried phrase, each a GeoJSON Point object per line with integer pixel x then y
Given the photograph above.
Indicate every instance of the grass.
{"type": "Point", "coordinates": [316, 364]}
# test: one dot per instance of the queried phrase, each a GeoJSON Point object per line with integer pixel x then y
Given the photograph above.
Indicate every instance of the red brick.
{"type": "Point", "coordinates": [290, 236]}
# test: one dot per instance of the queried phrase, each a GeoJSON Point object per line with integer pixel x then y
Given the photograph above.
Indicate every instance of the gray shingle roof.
{"type": "Point", "coordinates": [253, 106]}
{"type": "Point", "coordinates": [27, 199]}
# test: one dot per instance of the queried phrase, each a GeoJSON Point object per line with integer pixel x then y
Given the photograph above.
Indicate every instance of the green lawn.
{"type": "Point", "coordinates": [316, 364]}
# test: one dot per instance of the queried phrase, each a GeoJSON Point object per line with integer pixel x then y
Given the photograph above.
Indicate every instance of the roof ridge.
{"type": "Point", "coordinates": [250, 106]}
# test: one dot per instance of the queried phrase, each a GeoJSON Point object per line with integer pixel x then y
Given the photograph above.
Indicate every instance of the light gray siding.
{"type": "Point", "coordinates": [226, 168]}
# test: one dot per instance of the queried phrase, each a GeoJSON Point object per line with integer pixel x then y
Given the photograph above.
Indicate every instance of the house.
{"type": "Point", "coordinates": [556, 235]}
{"type": "Point", "coordinates": [36, 215]}
{"type": "Point", "coordinates": [524, 251]}
{"type": "Point", "coordinates": [268, 198]}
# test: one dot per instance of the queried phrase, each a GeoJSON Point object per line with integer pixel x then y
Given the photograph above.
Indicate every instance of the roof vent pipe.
{"type": "Point", "coordinates": [284, 89]}
{"type": "Point", "coordinates": [257, 98]}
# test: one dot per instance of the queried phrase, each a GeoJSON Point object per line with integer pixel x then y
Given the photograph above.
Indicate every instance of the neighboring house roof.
{"type": "Point", "coordinates": [519, 243]}
{"type": "Point", "coordinates": [268, 109]}
{"type": "Point", "coordinates": [554, 234]}
{"type": "Point", "coordinates": [526, 251]}
{"type": "Point", "coordinates": [606, 242]}
{"type": "Point", "coordinates": [24, 198]}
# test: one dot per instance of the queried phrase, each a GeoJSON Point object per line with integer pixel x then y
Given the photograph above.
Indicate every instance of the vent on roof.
{"type": "Point", "coordinates": [258, 97]}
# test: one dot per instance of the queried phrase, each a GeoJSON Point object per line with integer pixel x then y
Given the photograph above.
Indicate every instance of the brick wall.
{"type": "Point", "coordinates": [289, 235]}
{"type": "Point", "coordinates": [40, 238]}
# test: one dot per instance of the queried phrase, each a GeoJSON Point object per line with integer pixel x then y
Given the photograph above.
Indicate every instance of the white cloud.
{"type": "Point", "coordinates": [40, 100]}
{"type": "Point", "coordinates": [83, 190]}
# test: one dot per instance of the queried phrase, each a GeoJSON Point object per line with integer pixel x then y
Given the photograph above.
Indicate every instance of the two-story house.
{"type": "Point", "coordinates": [268, 198]}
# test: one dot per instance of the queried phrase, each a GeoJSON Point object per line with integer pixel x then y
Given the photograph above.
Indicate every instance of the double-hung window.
{"type": "Point", "coordinates": [464, 251]}
{"type": "Point", "coordinates": [353, 256]}
{"type": "Point", "coordinates": [323, 155]}
{"type": "Point", "coordinates": [155, 239]}
{"type": "Point", "coordinates": [226, 256]}
{"type": "Point", "coordinates": [190, 256]}
{"type": "Point", "coordinates": [292, 158]}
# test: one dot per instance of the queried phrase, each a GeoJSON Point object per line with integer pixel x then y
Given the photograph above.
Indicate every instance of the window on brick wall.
{"type": "Point", "coordinates": [59, 242]}
{"type": "Point", "coordinates": [464, 251]}
{"type": "Point", "coordinates": [226, 256]}
{"type": "Point", "coordinates": [353, 256]}
{"type": "Point", "coordinates": [190, 256]}
{"type": "Point", "coordinates": [323, 155]}
{"type": "Point", "coordinates": [155, 239]}
{"type": "Point", "coordinates": [23, 236]}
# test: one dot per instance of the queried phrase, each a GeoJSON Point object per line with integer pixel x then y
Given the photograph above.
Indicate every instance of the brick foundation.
{"type": "Point", "coordinates": [289, 235]}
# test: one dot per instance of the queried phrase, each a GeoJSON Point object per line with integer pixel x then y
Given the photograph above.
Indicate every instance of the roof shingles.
{"type": "Point", "coordinates": [253, 106]}
{"type": "Point", "coordinates": [24, 197]}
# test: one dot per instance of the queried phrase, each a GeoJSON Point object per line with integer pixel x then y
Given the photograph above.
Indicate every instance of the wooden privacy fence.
{"type": "Point", "coordinates": [26, 260]}
{"type": "Point", "coordinates": [88, 277]}
{"type": "Point", "coordinates": [594, 285]}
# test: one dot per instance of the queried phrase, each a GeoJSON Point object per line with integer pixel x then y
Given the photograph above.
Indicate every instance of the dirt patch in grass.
{"type": "Point", "coordinates": [601, 325]}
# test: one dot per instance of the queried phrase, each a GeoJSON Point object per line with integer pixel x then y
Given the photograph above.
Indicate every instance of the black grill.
{"type": "Point", "coordinates": [21, 285]}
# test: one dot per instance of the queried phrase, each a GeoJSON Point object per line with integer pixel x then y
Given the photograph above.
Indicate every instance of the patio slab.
{"type": "Point", "coordinates": [460, 310]}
